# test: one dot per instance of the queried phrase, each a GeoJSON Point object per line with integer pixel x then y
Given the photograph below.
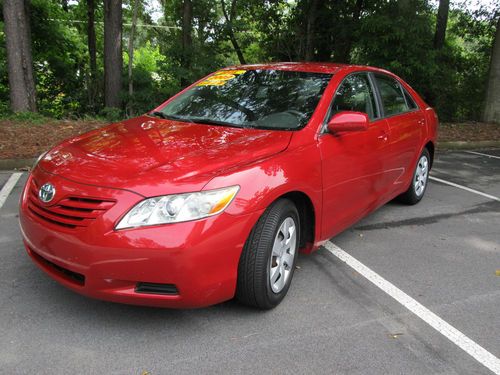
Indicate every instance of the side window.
{"type": "Point", "coordinates": [355, 94]}
{"type": "Point", "coordinates": [391, 95]}
{"type": "Point", "coordinates": [409, 100]}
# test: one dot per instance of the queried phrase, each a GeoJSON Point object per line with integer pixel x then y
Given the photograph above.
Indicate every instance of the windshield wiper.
{"type": "Point", "coordinates": [158, 114]}
{"type": "Point", "coordinates": [201, 120]}
{"type": "Point", "coordinates": [196, 120]}
{"type": "Point", "coordinates": [165, 116]}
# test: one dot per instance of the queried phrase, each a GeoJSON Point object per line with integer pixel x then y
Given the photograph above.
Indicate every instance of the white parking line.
{"type": "Point", "coordinates": [465, 188]}
{"type": "Point", "coordinates": [481, 154]}
{"type": "Point", "coordinates": [451, 333]}
{"type": "Point", "coordinates": [9, 185]}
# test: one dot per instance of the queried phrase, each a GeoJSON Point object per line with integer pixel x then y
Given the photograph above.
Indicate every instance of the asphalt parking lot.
{"type": "Point", "coordinates": [444, 253]}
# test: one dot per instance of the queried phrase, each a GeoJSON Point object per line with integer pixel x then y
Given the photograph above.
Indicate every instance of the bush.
{"type": "Point", "coordinates": [112, 114]}
{"type": "Point", "coordinates": [28, 117]}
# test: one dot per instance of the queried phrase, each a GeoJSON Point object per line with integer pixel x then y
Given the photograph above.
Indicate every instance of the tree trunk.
{"type": "Point", "coordinates": [113, 61]}
{"type": "Point", "coordinates": [492, 104]}
{"type": "Point", "coordinates": [230, 31]}
{"type": "Point", "coordinates": [311, 19]}
{"type": "Point", "coordinates": [91, 43]}
{"type": "Point", "coordinates": [19, 60]}
{"type": "Point", "coordinates": [187, 40]}
{"type": "Point", "coordinates": [131, 54]}
{"type": "Point", "coordinates": [441, 23]}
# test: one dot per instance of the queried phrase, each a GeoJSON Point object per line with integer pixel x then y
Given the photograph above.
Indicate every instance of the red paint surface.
{"type": "Point", "coordinates": [344, 175]}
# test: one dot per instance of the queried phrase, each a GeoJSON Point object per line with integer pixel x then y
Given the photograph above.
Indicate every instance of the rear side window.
{"type": "Point", "coordinates": [409, 100]}
{"type": "Point", "coordinates": [391, 94]}
{"type": "Point", "coordinates": [355, 94]}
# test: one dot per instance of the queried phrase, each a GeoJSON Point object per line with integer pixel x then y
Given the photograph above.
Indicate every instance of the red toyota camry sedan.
{"type": "Point", "coordinates": [212, 195]}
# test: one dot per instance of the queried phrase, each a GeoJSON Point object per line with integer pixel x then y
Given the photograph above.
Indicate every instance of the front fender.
{"type": "Point", "coordinates": [264, 181]}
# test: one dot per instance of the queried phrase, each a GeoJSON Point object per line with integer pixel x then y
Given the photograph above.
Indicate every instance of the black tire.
{"type": "Point", "coordinates": [411, 196]}
{"type": "Point", "coordinates": [254, 285]}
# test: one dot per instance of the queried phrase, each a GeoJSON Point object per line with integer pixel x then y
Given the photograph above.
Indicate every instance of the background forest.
{"type": "Point", "coordinates": [116, 58]}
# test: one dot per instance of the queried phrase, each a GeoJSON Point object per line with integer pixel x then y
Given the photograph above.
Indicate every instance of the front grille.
{"type": "Point", "coordinates": [74, 277]}
{"type": "Point", "coordinates": [155, 288]}
{"type": "Point", "coordinates": [70, 212]}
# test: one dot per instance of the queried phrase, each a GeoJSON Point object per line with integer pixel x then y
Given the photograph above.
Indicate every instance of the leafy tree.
{"type": "Point", "coordinates": [59, 59]}
{"type": "Point", "coordinates": [230, 16]}
{"type": "Point", "coordinates": [443, 51]}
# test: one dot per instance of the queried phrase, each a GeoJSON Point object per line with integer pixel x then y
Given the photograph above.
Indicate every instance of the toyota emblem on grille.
{"type": "Point", "coordinates": [47, 192]}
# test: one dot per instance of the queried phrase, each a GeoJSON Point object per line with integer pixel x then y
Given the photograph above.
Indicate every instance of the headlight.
{"type": "Point", "coordinates": [178, 207]}
{"type": "Point", "coordinates": [38, 160]}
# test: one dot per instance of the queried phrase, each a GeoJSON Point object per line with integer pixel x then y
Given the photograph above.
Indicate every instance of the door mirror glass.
{"type": "Point", "coordinates": [348, 121]}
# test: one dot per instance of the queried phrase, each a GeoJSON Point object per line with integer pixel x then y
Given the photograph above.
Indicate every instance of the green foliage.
{"type": "Point", "coordinates": [26, 117]}
{"type": "Point", "coordinates": [147, 57]}
{"type": "Point", "coordinates": [396, 35]}
{"type": "Point", "coordinates": [4, 108]}
{"type": "Point", "coordinates": [111, 114]}
{"type": "Point", "coordinates": [59, 56]}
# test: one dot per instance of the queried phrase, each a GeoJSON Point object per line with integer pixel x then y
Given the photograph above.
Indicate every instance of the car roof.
{"type": "Point", "coordinates": [313, 67]}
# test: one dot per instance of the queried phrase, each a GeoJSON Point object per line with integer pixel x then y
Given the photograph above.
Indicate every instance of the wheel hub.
{"type": "Point", "coordinates": [283, 255]}
{"type": "Point", "coordinates": [421, 175]}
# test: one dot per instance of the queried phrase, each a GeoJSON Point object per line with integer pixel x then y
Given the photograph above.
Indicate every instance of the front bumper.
{"type": "Point", "coordinates": [200, 257]}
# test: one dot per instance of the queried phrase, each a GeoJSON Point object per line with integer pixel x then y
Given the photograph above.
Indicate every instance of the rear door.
{"type": "Point", "coordinates": [353, 163]}
{"type": "Point", "coordinates": [406, 124]}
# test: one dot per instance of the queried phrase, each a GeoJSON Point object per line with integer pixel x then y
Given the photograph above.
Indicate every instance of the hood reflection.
{"type": "Point", "coordinates": [160, 152]}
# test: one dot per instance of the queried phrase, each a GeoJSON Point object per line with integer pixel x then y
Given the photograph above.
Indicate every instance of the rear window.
{"type": "Point", "coordinates": [391, 93]}
{"type": "Point", "coordinates": [267, 99]}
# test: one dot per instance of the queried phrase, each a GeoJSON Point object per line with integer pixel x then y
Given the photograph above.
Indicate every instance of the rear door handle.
{"type": "Point", "coordinates": [383, 137]}
{"type": "Point", "coordinates": [421, 121]}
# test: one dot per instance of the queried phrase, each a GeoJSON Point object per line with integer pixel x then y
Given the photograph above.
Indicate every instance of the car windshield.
{"type": "Point", "coordinates": [264, 99]}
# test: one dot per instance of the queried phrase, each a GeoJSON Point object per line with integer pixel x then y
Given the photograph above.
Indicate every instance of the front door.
{"type": "Point", "coordinates": [354, 164]}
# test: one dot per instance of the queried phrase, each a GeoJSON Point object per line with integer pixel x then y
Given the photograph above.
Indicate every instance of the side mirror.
{"type": "Point", "coordinates": [348, 122]}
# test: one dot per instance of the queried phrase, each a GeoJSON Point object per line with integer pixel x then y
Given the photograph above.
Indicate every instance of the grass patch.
{"type": "Point", "coordinates": [26, 117]}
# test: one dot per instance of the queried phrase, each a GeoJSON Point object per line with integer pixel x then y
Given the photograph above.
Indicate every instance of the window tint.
{"type": "Point", "coordinates": [391, 94]}
{"type": "Point", "coordinates": [409, 100]}
{"type": "Point", "coordinates": [355, 94]}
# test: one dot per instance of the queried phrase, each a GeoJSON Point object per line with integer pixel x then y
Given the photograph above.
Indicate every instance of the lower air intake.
{"type": "Point", "coordinates": [155, 288]}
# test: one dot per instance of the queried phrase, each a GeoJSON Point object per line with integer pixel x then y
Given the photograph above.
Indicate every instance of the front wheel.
{"type": "Point", "coordinates": [268, 258]}
{"type": "Point", "coordinates": [418, 185]}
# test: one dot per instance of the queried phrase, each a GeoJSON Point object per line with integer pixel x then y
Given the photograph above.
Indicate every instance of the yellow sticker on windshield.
{"type": "Point", "coordinates": [224, 76]}
{"type": "Point", "coordinates": [239, 71]}
{"type": "Point", "coordinates": [221, 77]}
{"type": "Point", "coordinates": [212, 82]}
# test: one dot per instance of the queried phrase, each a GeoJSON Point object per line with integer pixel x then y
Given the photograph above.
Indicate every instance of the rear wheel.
{"type": "Point", "coordinates": [268, 259]}
{"type": "Point", "coordinates": [418, 185]}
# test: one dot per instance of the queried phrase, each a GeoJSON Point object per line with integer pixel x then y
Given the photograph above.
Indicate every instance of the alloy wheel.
{"type": "Point", "coordinates": [421, 175]}
{"type": "Point", "coordinates": [283, 255]}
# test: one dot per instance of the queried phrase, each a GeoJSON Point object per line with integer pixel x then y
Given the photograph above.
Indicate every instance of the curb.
{"type": "Point", "coordinates": [11, 164]}
{"type": "Point", "coordinates": [462, 145]}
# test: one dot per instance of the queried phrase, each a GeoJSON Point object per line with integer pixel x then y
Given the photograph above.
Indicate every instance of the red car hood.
{"type": "Point", "coordinates": [153, 156]}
